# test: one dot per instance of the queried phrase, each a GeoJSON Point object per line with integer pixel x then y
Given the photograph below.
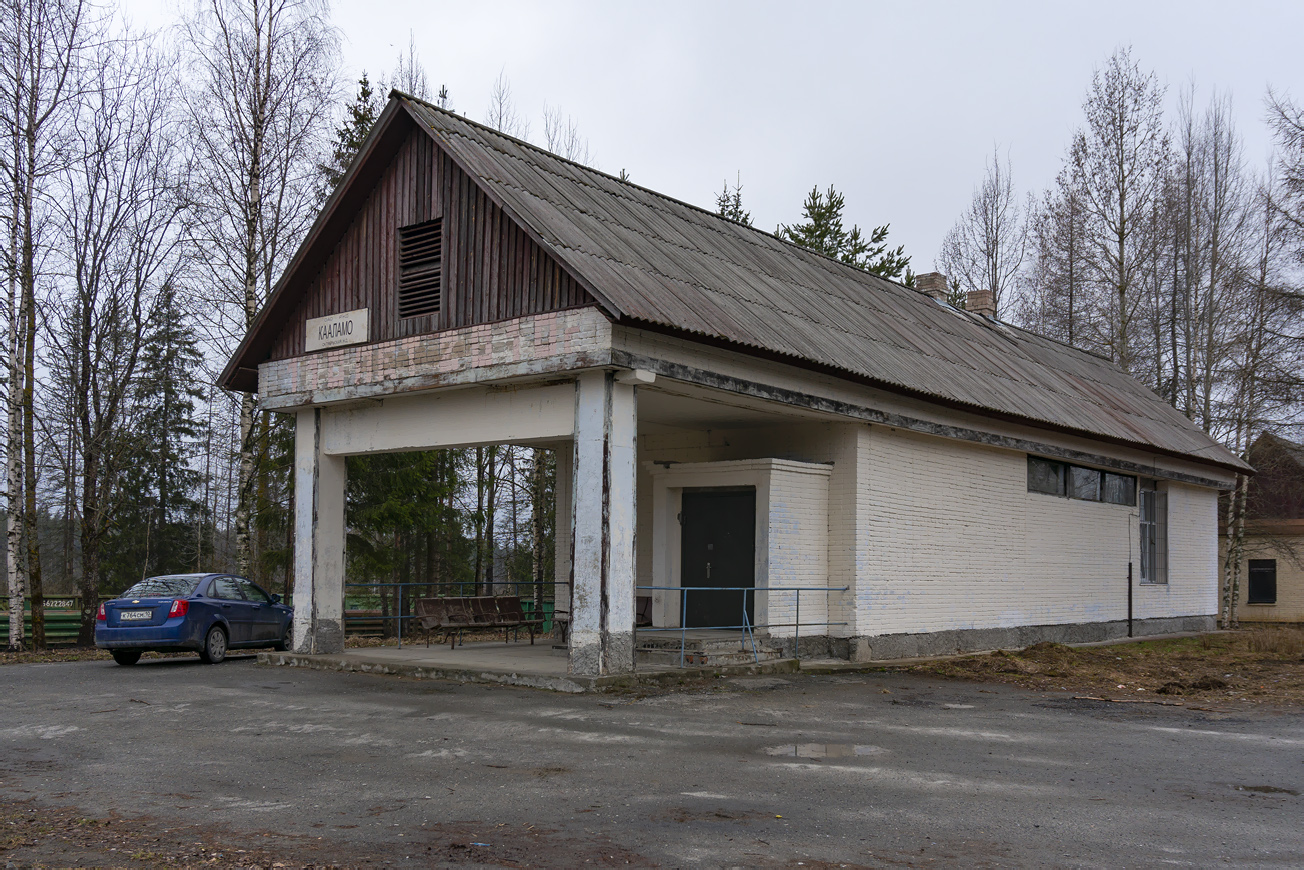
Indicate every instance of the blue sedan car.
{"type": "Point", "coordinates": [207, 613]}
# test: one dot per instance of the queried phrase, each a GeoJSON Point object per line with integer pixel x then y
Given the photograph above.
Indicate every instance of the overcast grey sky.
{"type": "Point", "coordinates": [896, 104]}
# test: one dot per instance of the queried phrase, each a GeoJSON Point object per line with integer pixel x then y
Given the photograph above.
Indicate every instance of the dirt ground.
{"type": "Point", "coordinates": [32, 836]}
{"type": "Point", "coordinates": [1224, 669]}
{"type": "Point", "coordinates": [1221, 671]}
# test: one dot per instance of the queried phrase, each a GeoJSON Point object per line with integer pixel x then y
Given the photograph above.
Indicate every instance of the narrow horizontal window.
{"type": "Point", "coordinates": [1084, 483]}
{"type": "Point", "coordinates": [1119, 488]}
{"type": "Point", "coordinates": [420, 268]}
{"type": "Point", "coordinates": [1075, 481]}
{"type": "Point", "coordinates": [1045, 475]}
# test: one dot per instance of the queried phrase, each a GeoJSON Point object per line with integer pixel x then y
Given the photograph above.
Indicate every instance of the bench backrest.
{"type": "Point", "coordinates": [476, 610]}
{"type": "Point", "coordinates": [509, 608]}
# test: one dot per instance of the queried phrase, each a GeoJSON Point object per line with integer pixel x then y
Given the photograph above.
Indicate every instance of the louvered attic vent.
{"type": "Point", "coordinates": [420, 268]}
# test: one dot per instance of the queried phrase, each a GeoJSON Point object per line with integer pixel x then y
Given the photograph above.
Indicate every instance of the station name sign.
{"type": "Point", "coordinates": [336, 330]}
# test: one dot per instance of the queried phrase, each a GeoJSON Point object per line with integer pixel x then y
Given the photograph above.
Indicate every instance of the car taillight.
{"type": "Point", "coordinates": [100, 617]}
{"type": "Point", "coordinates": [179, 608]}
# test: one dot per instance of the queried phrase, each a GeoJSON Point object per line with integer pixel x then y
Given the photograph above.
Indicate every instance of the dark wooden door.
{"type": "Point", "coordinates": [718, 549]}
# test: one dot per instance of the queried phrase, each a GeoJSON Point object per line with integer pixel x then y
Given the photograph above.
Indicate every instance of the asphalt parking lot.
{"type": "Point", "coordinates": [876, 769]}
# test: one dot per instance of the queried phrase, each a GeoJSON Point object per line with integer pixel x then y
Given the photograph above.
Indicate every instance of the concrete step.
{"type": "Point", "coordinates": [699, 658]}
{"type": "Point", "coordinates": [670, 641]}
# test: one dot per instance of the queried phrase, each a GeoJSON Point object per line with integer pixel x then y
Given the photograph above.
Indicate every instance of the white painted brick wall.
{"type": "Point", "coordinates": [838, 443]}
{"type": "Point", "coordinates": [798, 550]}
{"type": "Point", "coordinates": [934, 534]}
{"type": "Point", "coordinates": [956, 542]}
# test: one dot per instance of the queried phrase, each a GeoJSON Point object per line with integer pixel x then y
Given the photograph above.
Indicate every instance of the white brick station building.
{"type": "Point", "coordinates": [727, 409]}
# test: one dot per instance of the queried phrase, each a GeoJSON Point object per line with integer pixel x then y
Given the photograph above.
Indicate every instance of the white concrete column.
{"type": "Point", "coordinates": [318, 540]}
{"type": "Point", "coordinates": [622, 525]}
{"type": "Point", "coordinates": [603, 523]}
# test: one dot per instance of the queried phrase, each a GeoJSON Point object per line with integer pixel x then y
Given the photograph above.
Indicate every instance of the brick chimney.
{"type": "Point", "coordinates": [981, 302]}
{"type": "Point", "coordinates": [933, 285]}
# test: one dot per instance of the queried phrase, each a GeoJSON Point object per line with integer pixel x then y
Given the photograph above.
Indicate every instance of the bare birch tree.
{"type": "Point", "coordinates": [561, 136]}
{"type": "Point", "coordinates": [409, 76]}
{"type": "Point", "coordinates": [1117, 165]}
{"type": "Point", "coordinates": [985, 248]}
{"type": "Point", "coordinates": [1264, 385]}
{"type": "Point", "coordinates": [41, 43]}
{"type": "Point", "coordinates": [502, 113]}
{"type": "Point", "coordinates": [1210, 220]}
{"type": "Point", "coordinates": [120, 216]}
{"type": "Point", "coordinates": [1050, 286]}
{"type": "Point", "coordinates": [263, 85]}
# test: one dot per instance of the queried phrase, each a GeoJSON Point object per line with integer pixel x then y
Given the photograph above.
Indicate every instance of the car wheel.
{"type": "Point", "coordinates": [284, 643]}
{"type": "Point", "coordinates": [214, 645]}
{"type": "Point", "coordinates": [126, 656]}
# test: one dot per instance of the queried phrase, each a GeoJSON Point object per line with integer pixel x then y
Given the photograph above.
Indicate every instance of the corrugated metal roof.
{"type": "Point", "coordinates": [665, 262]}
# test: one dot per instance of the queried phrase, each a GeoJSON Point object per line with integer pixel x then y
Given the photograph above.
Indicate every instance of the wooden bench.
{"type": "Point", "coordinates": [453, 616]}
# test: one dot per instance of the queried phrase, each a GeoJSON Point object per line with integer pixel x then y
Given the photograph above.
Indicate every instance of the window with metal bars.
{"type": "Point", "coordinates": [1154, 533]}
{"type": "Point", "coordinates": [420, 268]}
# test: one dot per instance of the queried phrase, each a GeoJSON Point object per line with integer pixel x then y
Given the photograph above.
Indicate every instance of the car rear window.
{"type": "Point", "coordinates": [173, 586]}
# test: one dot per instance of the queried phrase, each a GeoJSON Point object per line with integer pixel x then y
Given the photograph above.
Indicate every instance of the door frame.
{"type": "Point", "coordinates": [709, 490]}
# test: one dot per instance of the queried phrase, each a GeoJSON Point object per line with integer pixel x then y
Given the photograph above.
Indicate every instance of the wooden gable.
{"type": "Point", "coordinates": [491, 268]}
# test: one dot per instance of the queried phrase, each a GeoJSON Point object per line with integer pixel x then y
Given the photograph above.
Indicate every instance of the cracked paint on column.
{"type": "Point", "coordinates": [319, 541]}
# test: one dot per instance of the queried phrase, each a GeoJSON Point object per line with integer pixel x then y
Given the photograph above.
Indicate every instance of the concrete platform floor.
{"type": "Point", "coordinates": [542, 667]}
{"type": "Point", "coordinates": [514, 664]}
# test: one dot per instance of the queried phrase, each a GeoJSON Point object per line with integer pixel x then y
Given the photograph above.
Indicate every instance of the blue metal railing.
{"type": "Point", "coordinates": [746, 627]}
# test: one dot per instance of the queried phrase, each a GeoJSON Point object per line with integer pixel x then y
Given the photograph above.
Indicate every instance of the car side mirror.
{"type": "Point", "coordinates": [276, 599]}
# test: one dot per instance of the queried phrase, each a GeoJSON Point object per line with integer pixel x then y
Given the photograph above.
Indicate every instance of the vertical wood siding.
{"type": "Point", "coordinates": [491, 271]}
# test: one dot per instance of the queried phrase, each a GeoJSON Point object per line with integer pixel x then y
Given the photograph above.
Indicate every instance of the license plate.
{"type": "Point", "coordinates": [128, 615]}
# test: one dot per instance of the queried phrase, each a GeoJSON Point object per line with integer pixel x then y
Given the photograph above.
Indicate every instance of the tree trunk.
{"type": "Point", "coordinates": [244, 485]}
{"type": "Point", "coordinates": [90, 541]}
{"type": "Point", "coordinates": [479, 518]}
{"type": "Point", "coordinates": [536, 530]}
{"type": "Point", "coordinates": [13, 448]}
{"type": "Point", "coordinates": [35, 585]}
{"type": "Point", "coordinates": [490, 520]}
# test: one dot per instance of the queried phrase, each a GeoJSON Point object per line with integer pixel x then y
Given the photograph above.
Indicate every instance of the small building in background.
{"type": "Point", "coordinates": [1272, 561]}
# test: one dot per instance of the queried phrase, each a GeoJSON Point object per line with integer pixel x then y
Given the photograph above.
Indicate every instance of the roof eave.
{"type": "Point", "coordinates": [1238, 467]}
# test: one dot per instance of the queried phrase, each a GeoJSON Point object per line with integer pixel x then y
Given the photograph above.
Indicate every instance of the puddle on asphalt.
{"type": "Point", "coordinates": [1267, 789]}
{"type": "Point", "coordinates": [822, 750]}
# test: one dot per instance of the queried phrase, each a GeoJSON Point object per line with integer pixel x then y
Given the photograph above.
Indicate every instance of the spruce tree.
{"type": "Point", "coordinates": [360, 116]}
{"type": "Point", "coordinates": [822, 231]}
{"type": "Point", "coordinates": [154, 527]}
{"type": "Point", "coordinates": [729, 203]}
